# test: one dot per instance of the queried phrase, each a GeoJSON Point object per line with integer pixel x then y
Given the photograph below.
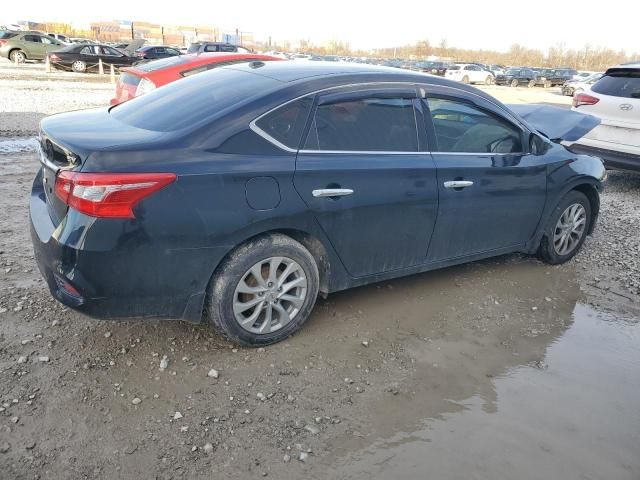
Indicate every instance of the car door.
{"type": "Point", "coordinates": [362, 173]}
{"type": "Point", "coordinates": [34, 47]}
{"type": "Point", "coordinates": [110, 56]}
{"type": "Point", "coordinates": [491, 191]}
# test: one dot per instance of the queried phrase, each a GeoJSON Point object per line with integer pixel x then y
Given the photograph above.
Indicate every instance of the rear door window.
{"type": "Point", "coordinates": [462, 127]}
{"type": "Point", "coordinates": [211, 48]}
{"type": "Point", "coordinates": [286, 124]}
{"type": "Point", "coordinates": [32, 38]}
{"type": "Point", "coordinates": [624, 85]}
{"type": "Point", "coordinates": [364, 125]}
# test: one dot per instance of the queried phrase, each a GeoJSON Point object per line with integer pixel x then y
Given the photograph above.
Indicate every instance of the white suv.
{"type": "Point", "coordinates": [469, 73]}
{"type": "Point", "coordinates": [615, 100]}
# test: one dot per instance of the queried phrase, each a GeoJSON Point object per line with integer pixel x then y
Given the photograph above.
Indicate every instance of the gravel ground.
{"type": "Point", "coordinates": [373, 368]}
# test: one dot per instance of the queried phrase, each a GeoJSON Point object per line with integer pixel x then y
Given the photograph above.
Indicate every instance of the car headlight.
{"type": "Point", "coordinates": [145, 86]}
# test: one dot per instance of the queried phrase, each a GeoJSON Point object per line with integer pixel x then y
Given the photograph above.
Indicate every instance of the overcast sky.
{"type": "Point", "coordinates": [489, 24]}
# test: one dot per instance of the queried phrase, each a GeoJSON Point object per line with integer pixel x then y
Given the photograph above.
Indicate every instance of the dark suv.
{"type": "Point", "coordinates": [153, 52]}
{"type": "Point", "coordinates": [553, 77]}
{"type": "Point", "coordinates": [515, 77]}
{"type": "Point", "coordinates": [202, 47]}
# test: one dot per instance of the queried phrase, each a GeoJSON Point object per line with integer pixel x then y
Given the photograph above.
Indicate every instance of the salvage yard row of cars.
{"type": "Point", "coordinates": [83, 55]}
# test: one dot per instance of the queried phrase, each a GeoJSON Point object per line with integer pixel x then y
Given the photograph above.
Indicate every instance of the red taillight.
{"type": "Point", "coordinates": [2, 42]}
{"type": "Point", "coordinates": [53, 57]}
{"type": "Point", "coordinates": [108, 195]}
{"type": "Point", "coordinates": [140, 54]}
{"type": "Point", "coordinates": [583, 99]}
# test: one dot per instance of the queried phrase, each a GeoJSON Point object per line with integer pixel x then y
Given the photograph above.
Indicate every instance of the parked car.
{"type": "Point", "coordinates": [60, 37]}
{"type": "Point", "coordinates": [22, 46]}
{"type": "Point", "coordinates": [615, 100]}
{"type": "Point", "coordinates": [210, 47]}
{"type": "Point", "coordinates": [155, 52]}
{"type": "Point", "coordinates": [552, 77]}
{"type": "Point", "coordinates": [497, 69]}
{"type": "Point", "coordinates": [469, 73]}
{"type": "Point", "coordinates": [515, 77]}
{"type": "Point", "coordinates": [145, 77]}
{"type": "Point", "coordinates": [571, 87]}
{"type": "Point", "coordinates": [83, 58]}
{"type": "Point", "coordinates": [240, 194]}
{"type": "Point", "coordinates": [434, 68]}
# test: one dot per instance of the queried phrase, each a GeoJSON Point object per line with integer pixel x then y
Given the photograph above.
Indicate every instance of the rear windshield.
{"type": "Point", "coordinates": [163, 63]}
{"type": "Point", "coordinates": [6, 35]}
{"type": "Point", "coordinates": [454, 67]}
{"type": "Point", "coordinates": [626, 85]}
{"type": "Point", "coordinates": [193, 48]}
{"type": "Point", "coordinates": [192, 100]}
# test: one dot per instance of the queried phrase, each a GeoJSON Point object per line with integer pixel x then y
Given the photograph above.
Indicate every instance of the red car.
{"type": "Point", "coordinates": [140, 79]}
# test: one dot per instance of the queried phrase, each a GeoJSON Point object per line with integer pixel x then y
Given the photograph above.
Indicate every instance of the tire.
{"type": "Point", "coordinates": [19, 55]}
{"type": "Point", "coordinates": [531, 84]}
{"type": "Point", "coordinates": [79, 66]}
{"type": "Point", "coordinates": [514, 83]}
{"type": "Point", "coordinates": [488, 80]}
{"type": "Point", "coordinates": [573, 203]}
{"type": "Point", "coordinates": [465, 79]}
{"type": "Point", "coordinates": [235, 284]}
{"type": "Point", "coordinates": [547, 84]}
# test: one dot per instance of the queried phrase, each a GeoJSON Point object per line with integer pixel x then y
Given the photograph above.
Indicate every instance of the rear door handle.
{"type": "Point", "coordinates": [331, 192]}
{"type": "Point", "coordinates": [458, 184]}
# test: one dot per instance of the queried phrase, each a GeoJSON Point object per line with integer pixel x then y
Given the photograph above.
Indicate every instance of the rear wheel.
{"type": "Point", "coordinates": [17, 56]}
{"type": "Point", "coordinates": [264, 291]}
{"type": "Point", "coordinates": [514, 83]}
{"type": "Point", "coordinates": [465, 79]}
{"type": "Point", "coordinates": [531, 84]}
{"type": "Point", "coordinates": [547, 84]}
{"type": "Point", "coordinates": [79, 66]}
{"type": "Point", "coordinates": [567, 228]}
{"type": "Point", "coordinates": [488, 80]}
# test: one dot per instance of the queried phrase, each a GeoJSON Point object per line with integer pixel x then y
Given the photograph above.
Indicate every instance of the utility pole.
{"type": "Point", "coordinates": [132, 35]}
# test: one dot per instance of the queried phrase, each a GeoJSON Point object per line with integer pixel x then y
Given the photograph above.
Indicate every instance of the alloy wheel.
{"type": "Point", "coordinates": [569, 229]}
{"type": "Point", "coordinates": [270, 295]}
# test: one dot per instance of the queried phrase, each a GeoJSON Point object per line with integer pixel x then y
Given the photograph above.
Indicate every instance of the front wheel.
{"type": "Point", "coordinates": [465, 79]}
{"type": "Point", "coordinates": [514, 83]}
{"type": "Point", "coordinates": [264, 291]}
{"type": "Point", "coordinates": [567, 229]}
{"type": "Point", "coordinates": [79, 66]}
{"type": "Point", "coordinates": [18, 56]}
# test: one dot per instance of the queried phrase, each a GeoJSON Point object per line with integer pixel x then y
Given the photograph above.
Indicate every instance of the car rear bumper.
{"type": "Point", "coordinates": [611, 158]}
{"type": "Point", "coordinates": [120, 279]}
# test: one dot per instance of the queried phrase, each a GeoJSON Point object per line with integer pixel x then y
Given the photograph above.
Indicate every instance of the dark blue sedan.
{"type": "Point", "coordinates": [241, 194]}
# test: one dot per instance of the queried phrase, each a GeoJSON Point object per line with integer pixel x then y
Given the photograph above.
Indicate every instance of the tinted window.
{"type": "Point", "coordinates": [462, 127]}
{"type": "Point", "coordinates": [91, 50]}
{"type": "Point", "coordinates": [227, 48]}
{"type": "Point", "coordinates": [193, 48]}
{"type": "Point", "coordinates": [286, 124]}
{"type": "Point", "coordinates": [192, 100]}
{"type": "Point", "coordinates": [374, 124]}
{"type": "Point", "coordinates": [48, 41]}
{"type": "Point", "coordinates": [6, 35]}
{"type": "Point", "coordinates": [453, 67]}
{"type": "Point", "coordinates": [32, 38]}
{"type": "Point", "coordinates": [211, 48]}
{"type": "Point", "coordinates": [112, 52]}
{"type": "Point", "coordinates": [626, 85]}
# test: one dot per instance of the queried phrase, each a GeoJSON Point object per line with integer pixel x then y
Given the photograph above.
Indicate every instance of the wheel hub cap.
{"type": "Point", "coordinates": [569, 229]}
{"type": "Point", "coordinates": [270, 295]}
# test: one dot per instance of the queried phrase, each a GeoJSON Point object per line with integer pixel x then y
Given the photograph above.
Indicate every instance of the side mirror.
{"type": "Point", "coordinates": [537, 145]}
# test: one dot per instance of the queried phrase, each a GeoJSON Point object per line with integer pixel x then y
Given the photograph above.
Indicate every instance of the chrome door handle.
{"type": "Point", "coordinates": [458, 184]}
{"type": "Point", "coordinates": [331, 192]}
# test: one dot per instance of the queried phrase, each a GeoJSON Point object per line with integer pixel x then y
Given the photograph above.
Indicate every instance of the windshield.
{"type": "Point", "coordinates": [193, 48]}
{"type": "Point", "coordinates": [6, 35]}
{"type": "Point", "coordinates": [192, 100]}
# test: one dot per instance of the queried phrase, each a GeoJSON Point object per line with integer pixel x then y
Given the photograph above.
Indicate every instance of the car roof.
{"type": "Point", "coordinates": [186, 62]}
{"type": "Point", "coordinates": [301, 72]}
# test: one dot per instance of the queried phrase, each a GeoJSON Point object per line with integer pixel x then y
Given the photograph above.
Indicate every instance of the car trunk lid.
{"type": "Point", "coordinates": [66, 141]}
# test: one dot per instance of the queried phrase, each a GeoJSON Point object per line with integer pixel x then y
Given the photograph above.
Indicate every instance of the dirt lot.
{"type": "Point", "coordinates": [500, 369]}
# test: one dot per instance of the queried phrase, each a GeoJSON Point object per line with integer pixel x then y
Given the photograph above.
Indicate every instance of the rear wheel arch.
{"type": "Point", "coordinates": [17, 49]}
